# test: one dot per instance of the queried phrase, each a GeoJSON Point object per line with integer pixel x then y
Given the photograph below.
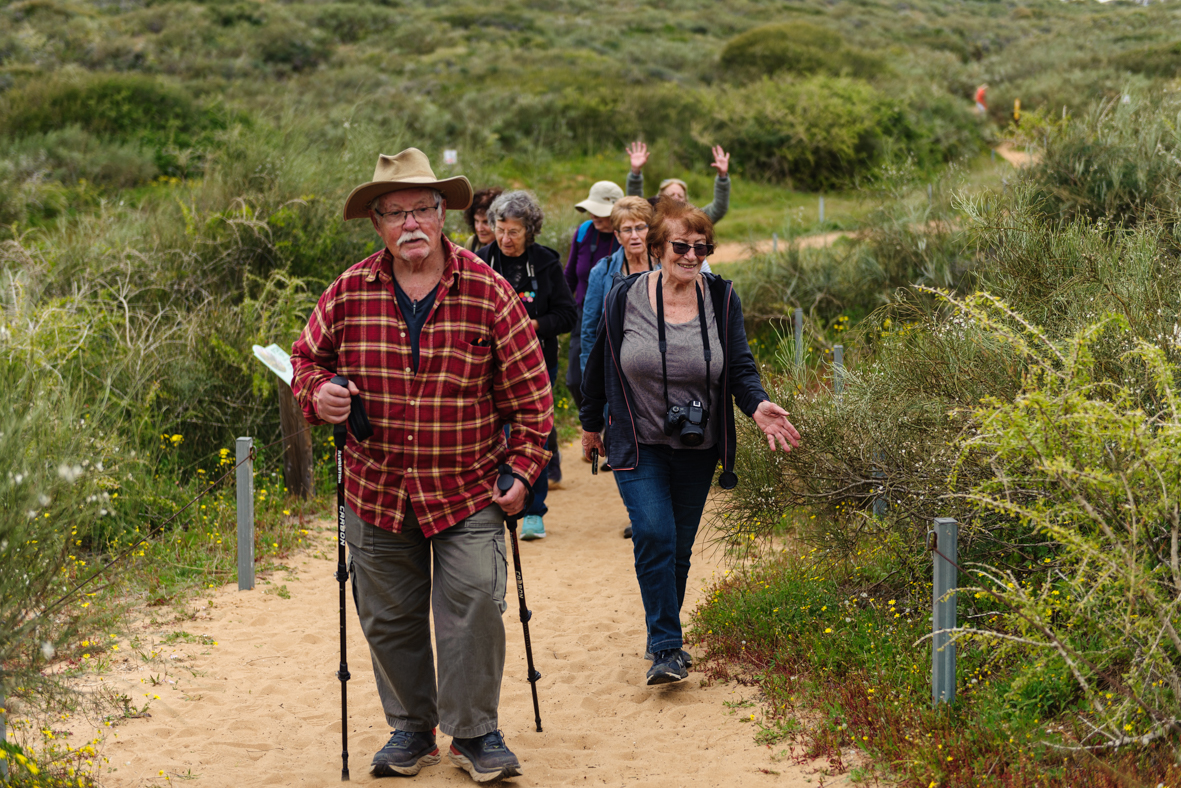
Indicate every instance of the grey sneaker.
{"type": "Point", "coordinates": [686, 657]}
{"type": "Point", "coordinates": [405, 753]}
{"type": "Point", "coordinates": [667, 667]}
{"type": "Point", "coordinates": [486, 758]}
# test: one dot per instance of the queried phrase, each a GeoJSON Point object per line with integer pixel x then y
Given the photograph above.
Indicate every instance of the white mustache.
{"type": "Point", "coordinates": [413, 235]}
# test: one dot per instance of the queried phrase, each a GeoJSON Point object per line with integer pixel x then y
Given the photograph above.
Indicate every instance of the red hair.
{"type": "Point", "coordinates": [669, 215]}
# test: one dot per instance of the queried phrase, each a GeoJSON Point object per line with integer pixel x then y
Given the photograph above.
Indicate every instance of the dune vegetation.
{"type": "Point", "coordinates": [171, 182]}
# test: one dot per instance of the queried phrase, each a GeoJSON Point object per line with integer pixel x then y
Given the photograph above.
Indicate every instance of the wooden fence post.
{"type": "Point", "coordinates": [297, 445]}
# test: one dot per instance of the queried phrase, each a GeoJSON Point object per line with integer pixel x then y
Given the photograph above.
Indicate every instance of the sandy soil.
{"type": "Point", "coordinates": [262, 707]}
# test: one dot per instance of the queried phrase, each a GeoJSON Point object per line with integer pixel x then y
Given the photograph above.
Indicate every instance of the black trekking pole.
{"type": "Point", "coordinates": [339, 435]}
{"type": "Point", "coordinates": [505, 483]}
{"type": "Point", "coordinates": [361, 432]}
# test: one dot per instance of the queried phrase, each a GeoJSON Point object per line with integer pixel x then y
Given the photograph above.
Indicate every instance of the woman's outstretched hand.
{"type": "Point", "coordinates": [638, 153]}
{"type": "Point", "coordinates": [772, 420]}
{"type": "Point", "coordinates": [592, 440]}
{"type": "Point", "coordinates": [721, 161]}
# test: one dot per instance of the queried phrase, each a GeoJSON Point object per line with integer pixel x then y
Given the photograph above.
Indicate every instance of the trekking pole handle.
{"type": "Point", "coordinates": [340, 432]}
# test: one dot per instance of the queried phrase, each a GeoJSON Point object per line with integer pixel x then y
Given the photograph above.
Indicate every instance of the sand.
{"type": "Point", "coordinates": [262, 707]}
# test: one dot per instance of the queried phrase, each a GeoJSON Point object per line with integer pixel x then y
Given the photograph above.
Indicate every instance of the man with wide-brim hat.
{"type": "Point", "coordinates": [593, 240]}
{"type": "Point", "coordinates": [442, 354]}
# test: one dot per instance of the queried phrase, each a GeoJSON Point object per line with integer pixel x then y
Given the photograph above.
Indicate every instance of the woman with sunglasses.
{"type": "Point", "coordinates": [670, 360]}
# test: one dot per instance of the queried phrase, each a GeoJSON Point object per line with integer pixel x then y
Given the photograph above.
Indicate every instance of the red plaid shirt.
{"type": "Point", "coordinates": [438, 433]}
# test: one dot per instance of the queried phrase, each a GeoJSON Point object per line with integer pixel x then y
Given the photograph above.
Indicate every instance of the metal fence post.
{"type": "Point", "coordinates": [822, 209]}
{"type": "Point", "coordinates": [799, 335]}
{"type": "Point", "coordinates": [774, 243]}
{"type": "Point", "coordinates": [943, 598]}
{"type": "Point", "coordinates": [881, 503]}
{"type": "Point", "coordinates": [245, 480]}
{"type": "Point", "coordinates": [838, 369]}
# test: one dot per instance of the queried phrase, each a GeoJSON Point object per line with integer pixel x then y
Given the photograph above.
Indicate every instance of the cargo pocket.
{"type": "Point", "coordinates": [490, 520]}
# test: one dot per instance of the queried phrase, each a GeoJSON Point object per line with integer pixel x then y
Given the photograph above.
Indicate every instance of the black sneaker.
{"type": "Point", "coordinates": [627, 532]}
{"type": "Point", "coordinates": [486, 758]}
{"type": "Point", "coordinates": [405, 753]}
{"type": "Point", "coordinates": [667, 667]}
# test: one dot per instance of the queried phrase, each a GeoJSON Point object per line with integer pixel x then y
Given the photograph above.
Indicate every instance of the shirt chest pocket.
{"type": "Point", "coordinates": [467, 370]}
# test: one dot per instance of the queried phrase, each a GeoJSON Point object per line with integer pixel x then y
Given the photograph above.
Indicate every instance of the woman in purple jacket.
{"type": "Point", "coordinates": [593, 240]}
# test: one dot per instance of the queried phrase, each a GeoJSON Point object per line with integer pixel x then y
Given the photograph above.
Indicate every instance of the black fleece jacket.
{"type": "Point", "coordinates": [550, 303]}
{"type": "Point", "coordinates": [603, 382]}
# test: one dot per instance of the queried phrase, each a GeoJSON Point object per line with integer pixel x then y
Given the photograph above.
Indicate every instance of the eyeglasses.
{"type": "Point", "coordinates": [512, 234]}
{"type": "Point", "coordinates": [396, 218]}
{"type": "Point", "coordinates": [639, 228]}
{"type": "Point", "coordinates": [702, 250]}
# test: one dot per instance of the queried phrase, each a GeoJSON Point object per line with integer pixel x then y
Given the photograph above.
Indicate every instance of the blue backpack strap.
{"type": "Point", "coordinates": [582, 230]}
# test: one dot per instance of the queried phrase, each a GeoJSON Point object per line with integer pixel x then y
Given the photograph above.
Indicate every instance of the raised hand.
{"type": "Point", "coordinates": [638, 153]}
{"type": "Point", "coordinates": [721, 161]}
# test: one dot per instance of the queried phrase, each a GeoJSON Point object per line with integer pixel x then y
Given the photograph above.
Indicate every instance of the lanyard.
{"type": "Point", "coordinates": [663, 343]}
{"type": "Point", "coordinates": [497, 266]}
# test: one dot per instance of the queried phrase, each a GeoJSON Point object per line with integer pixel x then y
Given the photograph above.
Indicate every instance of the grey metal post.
{"type": "Point", "coordinates": [944, 610]}
{"type": "Point", "coordinates": [880, 504]}
{"type": "Point", "coordinates": [928, 192]}
{"type": "Point", "coordinates": [799, 335]}
{"type": "Point", "coordinates": [838, 368]}
{"type": "Point", "coordinates": [822, 209]}
{"type": "Point", "coordinates": [775, 243]}
{"type": "Point", "coordinates": [993, 154]}
{"type": "Point", "coordinates": [245, 480]}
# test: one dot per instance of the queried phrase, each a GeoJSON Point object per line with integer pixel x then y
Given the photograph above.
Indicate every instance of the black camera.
{"type": "Point", "coordinates": [689, 420]}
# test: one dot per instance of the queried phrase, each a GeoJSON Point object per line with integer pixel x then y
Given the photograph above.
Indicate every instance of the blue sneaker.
{"type": "Point", "coordinates": [405, 753]}
{"type": "Point", "coordinates": [532, 527]}
{"type": "Point", "coordinates": [485, 758]}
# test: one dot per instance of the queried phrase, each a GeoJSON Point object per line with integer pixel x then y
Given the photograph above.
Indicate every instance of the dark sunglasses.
{"type": "Point", "coordinates": [702, 250]}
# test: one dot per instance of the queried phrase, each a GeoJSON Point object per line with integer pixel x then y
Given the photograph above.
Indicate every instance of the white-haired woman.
{"type": "Point", "coordinates": [535, 273]}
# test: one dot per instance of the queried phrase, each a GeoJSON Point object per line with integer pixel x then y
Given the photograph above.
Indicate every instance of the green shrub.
{"type": "Point", "coordinates": [230, 14]}
{"type": "Point", "coordinates": [124, 106]}
{"type": "Point", "coordinates": [350, 22]}
{"type": "Point", "coordinates": [1163, 60]}
{"type": "Point", "coordinates": [291, 46]}
{"type": "Point", "coordinates": [813, 133]}
{"type": "Point", "coordinates": [71, 155]}
{"type": "Point", "coordinates": [798, 48]}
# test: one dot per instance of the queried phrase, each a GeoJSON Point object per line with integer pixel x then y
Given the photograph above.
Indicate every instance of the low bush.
{"type": "Point", "coordinates": [72, 155]}
{"type": "Point", "coordinates": [290, 46]}
{"type": "Point", "coordinates": [1162, 60]}
{"type": "Point", "coordinates": [795, 48]}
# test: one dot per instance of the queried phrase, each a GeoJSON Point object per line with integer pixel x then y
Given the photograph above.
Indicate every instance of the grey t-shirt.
{"type": "Point", "coordinates": [640, 359]}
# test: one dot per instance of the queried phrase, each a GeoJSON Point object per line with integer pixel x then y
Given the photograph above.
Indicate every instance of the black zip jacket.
{"type": "Point", "coordinates": [603, 382]}
{"type": "Point", "coordinates": [552, 305]}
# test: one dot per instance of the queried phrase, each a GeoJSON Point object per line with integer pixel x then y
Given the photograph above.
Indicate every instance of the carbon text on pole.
{"type": "Point", "coordinates": [245, 480]}
{"type": "Point", "coordinates": [799, 336]}
{"type": "Point", "coordinates": [943, 618]}
{"type": "Point", "coordinates": [838, 369]}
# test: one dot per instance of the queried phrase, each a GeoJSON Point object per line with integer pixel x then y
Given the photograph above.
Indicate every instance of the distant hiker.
{"type": "Point", "coordinates": [535, 273]}
{"type": "Point", "coordinates": [1017, 112]}
{"type": "Point", "coordinates": [440, 349]}
{"type": "Point", "coordinates": [672, 411]}
{"type": "Point", "coordinates": [675, 188]}
{"type": "Point", "coordinates": [476, 217]}
{"type": "Point", "coordinates": [981, 105]}
{"type": "Point", "coordinates": [593, 240]}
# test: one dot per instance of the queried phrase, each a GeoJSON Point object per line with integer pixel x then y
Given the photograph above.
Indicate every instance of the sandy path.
{"type": "Point", "coordinates": [262, 707]}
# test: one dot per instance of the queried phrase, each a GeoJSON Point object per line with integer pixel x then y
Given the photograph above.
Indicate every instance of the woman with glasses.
{"type": "Point", "coordinates": [670, 360]}
{"type": "Point", "coordinates": [535, 273]}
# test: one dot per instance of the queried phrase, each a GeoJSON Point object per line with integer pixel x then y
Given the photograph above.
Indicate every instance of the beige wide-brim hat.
{"type": "Point", "coordinates": [410, 169]}
{"type": "Point", "coordinates": [602, 198]}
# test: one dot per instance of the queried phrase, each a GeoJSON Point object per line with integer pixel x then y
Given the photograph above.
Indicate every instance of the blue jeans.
{"type": "Point", "coordinates": [541, 486]}
{"type": "Point", "coordinates": [665, 496]}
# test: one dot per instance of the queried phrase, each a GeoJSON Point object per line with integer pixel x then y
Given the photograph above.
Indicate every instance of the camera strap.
{"type": "Point", "coordinates": [662, 342]}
